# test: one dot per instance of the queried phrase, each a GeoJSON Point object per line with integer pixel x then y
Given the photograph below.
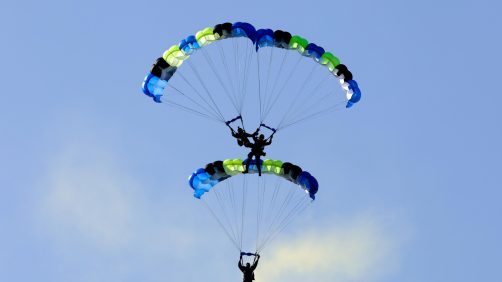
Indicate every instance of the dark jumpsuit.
{"type": "Point", "coordinates": [248, 271]}
{"type": "Point", "coordinates": [257, 150]}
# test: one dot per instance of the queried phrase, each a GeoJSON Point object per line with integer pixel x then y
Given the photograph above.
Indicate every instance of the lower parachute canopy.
{"type": "Point", "coordinates": [253, 210]}
{"type": "Point", "coordinates": [204, 179]}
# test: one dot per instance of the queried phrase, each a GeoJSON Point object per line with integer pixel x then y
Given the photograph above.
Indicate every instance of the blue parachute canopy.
{"type": "Point", "coordinates": [204, 179]}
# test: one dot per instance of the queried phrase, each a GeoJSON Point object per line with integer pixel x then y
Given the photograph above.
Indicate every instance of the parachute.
{"type": "Point", "coordinates": [203, 179]}
{"type": "Point", "coordinates": [287, 91]}
{"type": "Point", "coordinates": [253, 212]}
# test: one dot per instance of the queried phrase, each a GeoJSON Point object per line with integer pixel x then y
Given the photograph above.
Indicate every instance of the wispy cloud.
{"type": "Point", "coordinates": [92, 199]}
{"type": "Point", "coordinates": [361, 250]}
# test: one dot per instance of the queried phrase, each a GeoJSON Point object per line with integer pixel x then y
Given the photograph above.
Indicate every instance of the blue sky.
{"type": "Point", "coordinates": [93, 175]}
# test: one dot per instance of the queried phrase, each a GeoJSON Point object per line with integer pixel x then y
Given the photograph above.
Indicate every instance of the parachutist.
{"type": "Point", "coordinates": [248, 269]}
{"type": "Point", "coordinates": [242, 136]}
{"type": "Point", "coordinates": [257, 150]}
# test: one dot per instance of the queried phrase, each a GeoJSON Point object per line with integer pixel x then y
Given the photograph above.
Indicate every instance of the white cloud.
{"type": "Point", "coordinates": [358, 251]}
{"type": "Point", "coordinates": [90, 198]}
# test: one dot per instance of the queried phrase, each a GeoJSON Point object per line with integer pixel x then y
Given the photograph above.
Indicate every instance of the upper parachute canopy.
{"type": "Point", "coordinates": [204, 179]}
{"type": "Point", "coordinates": [165, 67]}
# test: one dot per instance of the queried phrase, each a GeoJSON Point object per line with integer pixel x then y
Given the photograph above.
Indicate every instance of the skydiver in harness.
{"type": "Point", "coordinates": [248, 270]}
{"type": "Point", "coordinates": [257, 150]}
{"type": "Point", "coordinates": [258, 147]}
{"type": "Point", "coordinates": [241, 135]}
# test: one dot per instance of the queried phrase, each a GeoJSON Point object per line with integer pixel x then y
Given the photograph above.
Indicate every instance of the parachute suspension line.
{"type": "Point", "coordinates": [283, 87]}
{"type": "Point", "coordinates": [209, 113]}
{"type": "Point", "coordinates": [237, 66]}
{"type": "Point", "coordinates": [243, 213]}
{"type": "Point", "coordinates": [259, 210]}
{"type": "Point", "coordinates": [316, 103]}
{"type": "Point", "coordinates": [285, 203]}
{"type": "Point", "coordinates": [296, 211]}
{"type": "Point", "coordinates": [233, 207]}
{"type": "Point", "coordinates": [206, 89]}
{"type": "Point", "coordinates": [277, 228]}
{"type": "Point", "coordinates": [274, 195]}
{"type": "Point", "coordinates": [244, 66]}
{"type": "Point", "coordinates": [295, 98]}
{"type": "Point", "coordinates": [262, 206]}
{"type": "Point", "coordinates": [187, 109]}
{"type": "Point", "coordinates": [298, 93]}
{"type": "Point", "coordinates": [303, 104]}
{"type": "Point", "coordinates": [258, 213]}
{"type": "Point", "coordinates": [278, 225]}
{"type": "Point", "coordinates": [242, 123]}
{"type": "Point", "coordinates": [225, 197]}
{"type": "Point", "coordinates": [268, 211]}
{"type": "Point", "coordinates": [307, 115]}
{"type": "Point", "coordinates": [268, 76]}
{"type": "Point", "coordinates": [227, 70]}
{"type": "Point", "coordinates": [279, 73]}
{"type": "Point", "coordinates": [215, 110]}
{"type": "Point", "coordinates": [236, 54]}
{"type": "Point", "coordinates": [259, 82]}
{"type": "Point", "coordinates": [221, 225]}
{"type": "Point", "coordinates": [217, 74]}
{"type": "Point", "coordinates": [299, 204]}
{"type": "Point", "coordinates": [277, 84]}
{"type": "Point", "coordinates": [316, 114]}
{"type": "Point", "coordinates": [275, 210]}
{"type": "Point", "coordinates": [300, 208]}
{"type": "Point", "coordinates": [221, 202]}
{"type": "Point", "coordinates": [251, 53]}
{"type": "Point", "coordinates": [247, 63]}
